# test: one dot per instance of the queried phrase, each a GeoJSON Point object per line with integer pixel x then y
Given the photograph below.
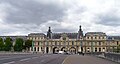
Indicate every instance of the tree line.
{"type": "Point", "coordinates": [18, 45]}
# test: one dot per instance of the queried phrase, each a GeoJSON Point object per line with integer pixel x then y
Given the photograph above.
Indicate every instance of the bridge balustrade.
{"type": "Point", "coordinates": [113, 56]}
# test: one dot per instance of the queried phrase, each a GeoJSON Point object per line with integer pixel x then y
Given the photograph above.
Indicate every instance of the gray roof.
{"type": "Point", "coordinates": [113, 37]}
{"type": "Point", "coordinates": [69, 35]}
{"type": "Point", "coordinates": [36, 34]}
{"type": "Point", "coordinates": [95, 33]}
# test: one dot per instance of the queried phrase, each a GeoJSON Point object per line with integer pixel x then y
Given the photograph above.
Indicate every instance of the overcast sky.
{"type": "Point", "coordinates": [21, 17]}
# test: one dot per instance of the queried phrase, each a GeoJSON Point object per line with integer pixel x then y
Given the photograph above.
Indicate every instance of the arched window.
{"type": "Point", "coordinates": [95, 49]}
{"type": "Point", "coordinates": [38, 49]}
{"type": "Point", "coordinates": [99, 49]}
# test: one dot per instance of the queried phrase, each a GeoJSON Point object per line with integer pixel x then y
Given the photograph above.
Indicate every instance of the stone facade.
{"type": "Point", "coordinates": [91, 42]}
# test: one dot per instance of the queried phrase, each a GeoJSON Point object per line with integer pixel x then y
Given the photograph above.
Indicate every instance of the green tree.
{"type": "Point", "coordinates": [118, 49]}
{"type": "Point", "coordinates": [8, 44]}
{"type": "Point", "coordinates": [18, 44]}
{"type": "Point", "coordinates": [28, 44]}
{"type": "Point", "coordinates": [1, 45]}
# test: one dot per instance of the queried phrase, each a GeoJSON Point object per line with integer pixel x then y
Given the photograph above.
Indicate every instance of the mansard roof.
{"type": "Point", "coordinates": [69, 35]}
{"type": "Point", "coordinates": [113, 37]}
{"type": "Point", "coordinates": [36, 34]}
{"type": "Point", "coordinates": [94, 33]}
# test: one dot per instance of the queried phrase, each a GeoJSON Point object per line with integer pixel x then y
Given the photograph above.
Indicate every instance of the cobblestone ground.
{"type": "Point", "coordinates": [79, 59]}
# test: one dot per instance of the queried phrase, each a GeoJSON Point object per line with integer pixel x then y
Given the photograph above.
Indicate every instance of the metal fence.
{"type": "Point", "coordinates": [113, 56]}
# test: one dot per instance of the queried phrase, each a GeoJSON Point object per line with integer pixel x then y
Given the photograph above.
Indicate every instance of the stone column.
{"type": "Point", "coordinates": [49, 49]}
{"type": "Point", "coordinates": [36, 49]}
{"type": "Point", "coordinates": [44, 49]}
{"type": "Point", "coordinates": [39, 48]}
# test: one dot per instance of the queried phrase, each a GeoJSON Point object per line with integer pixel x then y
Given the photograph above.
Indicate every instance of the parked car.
{"type": "Point", "coordinates": [61, 52]}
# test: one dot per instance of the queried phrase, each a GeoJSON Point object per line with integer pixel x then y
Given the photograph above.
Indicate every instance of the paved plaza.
{"type": "Point", "coordinates": [79, 59]}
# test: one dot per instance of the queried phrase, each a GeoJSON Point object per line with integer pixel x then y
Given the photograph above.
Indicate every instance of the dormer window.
{"type": "Point", "coordinates": [64, 38]}
{"type": "Point", "coordinates": [87, 37]}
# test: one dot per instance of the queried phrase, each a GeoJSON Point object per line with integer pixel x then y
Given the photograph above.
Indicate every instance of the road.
{"type": "Point", "coordinates": [32, 59]}
{"type": "Point", "coordinates": [51, 59]}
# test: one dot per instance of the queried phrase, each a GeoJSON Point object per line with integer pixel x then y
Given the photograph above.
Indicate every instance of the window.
{"type": "Point", "coordinates": [64, 43]}
{"type": "Point", "coordinates": [34, 48]}
{"type": "Point", "coordinates": [55, 43]}
{"type": "Point", "coordinates": [88, 50]}
{"type": "Point", "coordinates": [95, 43]}
{"type": "Point", "coordinates": [103, 48]}
{"type": "Point", "coordinates": [103, 43]}
{"type": "Point", "coordinates": [38, 49]}
{"type": "Point", "coordinates": [99, 49]}
{"type": "Point", "coordinates": [95, 37]}
{"type": "Point", "coordinates": [41, 43]}
{"type": "Point", "coordinates": [91, 37]}
{"type": "Point", "coordinates": [64, 38]}
{"type": "Point", "coordinates": [117, 43]}
{"type": "Point", "coordinates": [99, 37]}
{"type": "Point", "coordinates": [51, 43]}
{"type": "Point", "coordinates": [87, 37]}
{"type": "Point", "coordinates": [38, 43]}
{"type": "Point", "coordinates": [81, 43]}
{"type": "Point", "coordinates": [68, 43]}
{"type": "Point", "coordinates": [95, 49]}
{"type": "Point", "coordinates": [102, 37]}
{"type": "Point", "coordinates": [72, 43]}
{"type": "Point", "coordinates": [87, 43]}
{"type": "Point", "coordinates": [99, 43]}
{"type": "Point", "coordinates": [46, 43]}
{"type": "Point", "coordinates": [59, 43]}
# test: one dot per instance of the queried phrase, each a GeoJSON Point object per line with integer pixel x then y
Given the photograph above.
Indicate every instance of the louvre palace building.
{"type": "Point", "coordinates": [91, 42]}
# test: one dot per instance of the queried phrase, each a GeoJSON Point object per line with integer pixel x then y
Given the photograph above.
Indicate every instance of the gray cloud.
{"type": "Point", "coordinates": [27, 16]}
{"type": "Point", "coordinates": [111, 18]}
{"type": "Point", "coordinates": [64, 30]}
{"type": "Point", "coordinates": [26, 11]}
